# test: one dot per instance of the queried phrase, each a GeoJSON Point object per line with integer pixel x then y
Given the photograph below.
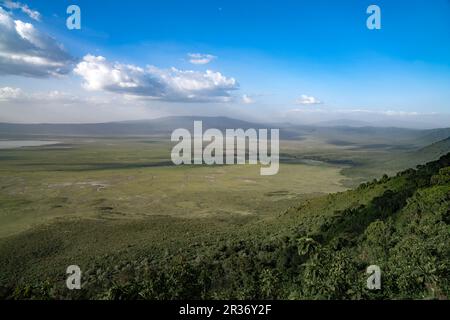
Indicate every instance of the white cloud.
{"type": "Point", "coordinates": [8, 93]}
{"type": "Point", "coordinates": [23, 106]}
{"type": "Point", "coordinates": [400, 113]}
{"type": "Point", "coordinates": [33, 14]}
{"type": "Point", "coordinates": [198, 58]}
{"type": "Point", "coordinates": [26, 51]}
{"type": "Point", "coordinates": [308, 100]}
{"type": "Point", "coordinates": [152, 82]}
{"type": "Point", "coordinates": [247, 99]}
{"type": "Point", "coordinates": [17, 95]}
{"type": "Point", "coordinates": [299, 110]}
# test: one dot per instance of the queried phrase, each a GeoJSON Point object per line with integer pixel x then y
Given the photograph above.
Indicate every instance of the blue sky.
{"type": "Point", "coordinates": [304, 61]}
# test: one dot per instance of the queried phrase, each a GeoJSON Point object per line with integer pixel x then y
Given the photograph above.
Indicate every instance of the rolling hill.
{"type": "Point", "coordinates": [349, 135]}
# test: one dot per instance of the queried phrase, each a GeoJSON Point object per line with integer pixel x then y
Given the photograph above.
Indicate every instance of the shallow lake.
{"type": "Point", "coordinates": [13, 144]}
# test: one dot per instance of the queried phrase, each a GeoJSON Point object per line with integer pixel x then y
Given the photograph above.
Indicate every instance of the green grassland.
{"type": "Point", "coordinates": [134, 179]}
{"type": "Point", "coordinates": [142, 228]}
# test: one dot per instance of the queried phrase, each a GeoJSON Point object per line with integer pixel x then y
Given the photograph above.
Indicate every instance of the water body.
{"type": "Point", "coordinates": [14, 144]}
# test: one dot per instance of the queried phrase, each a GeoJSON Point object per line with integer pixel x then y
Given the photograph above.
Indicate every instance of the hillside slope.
{"type": "Point", "coordinates": [434, 150]}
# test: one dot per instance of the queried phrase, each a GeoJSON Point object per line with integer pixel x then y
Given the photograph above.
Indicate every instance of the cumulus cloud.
{"type": "Point", "coordinates": [26, 51]}
{"type": "Point", "coordinates": [8, 93]}
{"type": "Point", "coordinates": [247, 99]}
{"type": "Point", "coordinates": [151, 82]}
{"type": "Point", "coordinates": [33, 14]}
{"type": "Point", "coordinates": [198, 58]}
{"type": "Point", "coordinates": [308, 100]}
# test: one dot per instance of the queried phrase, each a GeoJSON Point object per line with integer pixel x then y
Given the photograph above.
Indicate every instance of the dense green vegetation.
{"type": "Point", "coordinates": [316, 249]}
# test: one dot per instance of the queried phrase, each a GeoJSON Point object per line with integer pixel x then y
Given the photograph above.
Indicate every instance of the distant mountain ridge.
{"type": "Point", "coordinates": [165, 126]}
{"type": "Point", "coordinates": [343, 123]}
{"type": "Point", "coordinates": [160, 126]}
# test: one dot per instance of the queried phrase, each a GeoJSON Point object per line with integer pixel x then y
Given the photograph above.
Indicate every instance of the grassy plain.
{"type": "Point", "coordinates": [134, 179]}
{"type": "Point", "coordinates": [92, 200]}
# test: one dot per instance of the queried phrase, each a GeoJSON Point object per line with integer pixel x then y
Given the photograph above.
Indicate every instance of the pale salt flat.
{"type": "Point", "coordinates": [14, 144]}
